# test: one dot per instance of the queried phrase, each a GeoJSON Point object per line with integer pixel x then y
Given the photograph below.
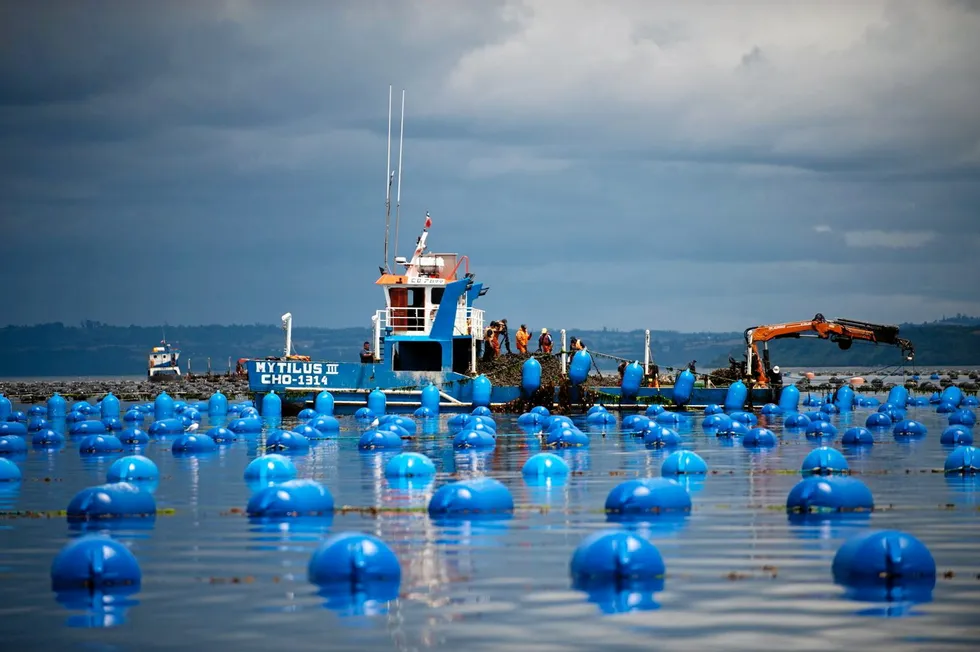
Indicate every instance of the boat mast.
{"type": "Point", "coordinates": [398, 197]}
{"type": "Point", "coordinates": [389, 175]}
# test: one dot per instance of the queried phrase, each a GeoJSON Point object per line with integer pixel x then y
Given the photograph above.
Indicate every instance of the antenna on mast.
{"type": "Point", "coordinates": [389, 174]}
{"type": "Point", "coordinates": [398, 197]}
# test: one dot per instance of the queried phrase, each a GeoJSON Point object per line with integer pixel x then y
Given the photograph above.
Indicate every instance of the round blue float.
{"type": "Point", "coordinates": [822, 429]}
{"type": "Point", "coordinates": [789, 398]}
{"type": "Point", "coordinates": [735, 396]}
{"type": "Point", "coordinates": [952, 395]}
{"type": "Point", "coordinates": [110, 406]}
{"type": "Point", "coordinates": [635, 422]}
{"type": "Point", "coordinates": [615, 555]}
{"type": "Point", "coordinates": [410, 465]}
{"type": "Point", "coordinates": [565, 437]}
{"type": "Point", "coordinates": [970, 402]}
{"type": "Point", "coordinates": [771, 409]}
{"type": "Point", "coordinates": [271, 406]}
{"type": "Point", "coordinates": [326, 425]}
{"type": "Point", "coordinates": [132, 468]}
{"type": "Point", "coordinates": [878, 420]}
{"type": "Point", "coordinates": [557, 421]}
{"type": "Point", "coordinates": [37, 423]}
{"type": "Point", "coordinates": [431, 399]}
{"type": "Point", "coordinates": [683, 388]}
{"type": "Point", "coordinates": [9, 471]}
{"type": "Point", "coordinates": [529, 419]}
{"type": "Point", "coordinates": [377, 402]}
{"type": "Point", "coordinates": [12, 445]}
{"type": "Point", "coordinates": [481, 496]}
{"type": "Point", "coordinates": [308, 431]}
{"type": "Point", "coordinates": [249, 412]}
{"type": "Point", "coordinates": [945, 408]}
{"type": "Point", "coordinates": [647, 496]}
{"type": "Point", "coordinates": [324, 403]}
{"type": "Point", "coordinates": [734, 429]}
{"type": "Point", "coordinates": [747, 418]}
{"type": "Point", "coordinates": [133, 437]}
{"type": "Point", "coordinates": [306, 414]}
{"type": "Point", "coordinates": [542, 410]}
{"type": "Point", "coordinates": [112, 424]}
{"type": "Point", "coordinates": [829, 494]}
{"type": "Point", "coordinates": [291, 498]}
{"type": "Point", "coordinates": [716, 421]}
{"type": "Point", "coordinates": [896, 562]}
{"type": "Point", "coordinates": [217, 405]}
{"type": "Point", "coordinates": [683, 463]}
{"type": "Point", "coordinates": [668, 418]}
{"type": "Point", "coordinates": [85, 428]}
{"type": "Point", "coordinates": [963, 417]}
{"type": "Point", "coordinates": [364, 414]}
{"type": "Point", "coordinates": [482, 390]}
{"type": "Point", "coordinates": [632, 377]}
{"type": "Point", "coordinates": [543, 465]}
{"type": "Point", "coordinates": [221, 435]}
{"type": "Point", "coordinates": [113, 500]}
{"type": "Point", "coordinates": [579, 367]}
{"type": "Point", "coordinates": [423, 413]}
{"type": "Point", "coordinates": [94, 563]}
{"type": "Point", "coordinates": [898, 395]}
{"type": "Point", "coordinates": [711, 408]}
{"type": "Point", "coordinates": [100, 445]}
{"type": "Point", "coordinates": [163, 407]}
{"type": "Point", "coordinates": [57, 407]}
{"type": "Point", "coordinates": [601, 418]}
{"type": "Point", "coordinates": [351, 559]}
{"type": "Point", "coordinates": [845, 399]}
{"type": "Point", "coordinates": [164, 427]}
{"type": "Point", "coordinates": [379, 440]}
{"type": "Point", "coordinates": [134, 416]}
{"type": "Point", "coordinates": [858, 436]}
{"type": "Point", "coordinates": [760, 438]}
{"type": "Point", "coordinates": [964, 460]}
{"type": "Point", "coordinates": [476, 439]}
{"type": "Point", "coordinates": [270, 468]}
{"type": "Point", "coordinates": [287, 440]}
{"type": "Point", "coordinates": [47, 439]}
{"type": "Point", "coordinates": [956, 436]}
{"type": "Point", "coordinates": [797, 421]}
{"type": "Point", "coordinates": [657, 436]}
{"type": "Point", "coordinates": [909, 428]}
{"type": "Point", "coordinates": [5, 407]}
{"type": "Point", "coordinates": [824, 461]}
{"type": "Point", "coordinates": [829, 408]}
{"type": "Point", "coordinates": [653, 410]}
{"type": "Point", "coordinates": [192, 443]}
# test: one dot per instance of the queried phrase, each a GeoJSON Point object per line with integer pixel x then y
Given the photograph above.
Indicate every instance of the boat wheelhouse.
{"type": "Point", "coordinates": [163, 363]}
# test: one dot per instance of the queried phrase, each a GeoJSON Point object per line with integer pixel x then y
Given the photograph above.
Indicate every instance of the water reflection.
{"type": "Point", "coordinates": [288, 534]}
{"type": "Point", "coordinates": [621, 596]}
{"type": "Point", "coordinates": [100, 609]}
{"type": "Point", "coordinates": [896, 598]}
{"type": "Point", "coordinates": [359, 599]}
{"type": "Point", "coordinates": [472, 463]}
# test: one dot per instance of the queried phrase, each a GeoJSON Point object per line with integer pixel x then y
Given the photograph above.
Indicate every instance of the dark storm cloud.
{"type": "Point", "coordinates": [215, 162]}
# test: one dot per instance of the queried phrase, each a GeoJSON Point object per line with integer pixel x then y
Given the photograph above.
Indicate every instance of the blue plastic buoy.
{"type": "Point", "coordinates": [221, 435]}
{"type": "Point", "coordinates": [476, 439]}
{"type": "Point", "coordinates": [163, 407]}
{"type": "Point", "coordinates": [542, 465]}
{"type": "Point", "coordinates": [324, 403]}
{"type": "Point", "coordinates": [100, 445]}
{"type": "Point", "coordinates": [771, 409]}
{"type": "Point", "coordinates": [47, 439]}
{"type": "Point", "coordinates": [824, 461]}
{"type": "Point", "coordinates": [970, 402]}
{"type": "Point", "coordinates": [858, 436]}
{"type": "Point", "coordinates": [481, 496]}
{"type": "Point", "coordinates": [789, 398]}
{"type": "Point", "coordinates": [579, 367]}
{"type": "Point", "coordinates": [653, 410]}
{"type": "Point", "coordinates": [410, 465]}
{"type": "Point", "coordinates": [529, 419]}
{"type": "Point", "coordinates": [733, 429]}
{"type": "Point", "coordinates": [13, 445]}
{"type": "Point", "coordinates": [57, 407]}
{"type": "Point", "coordinates": [878, 420]}
{"type": "Point", "coordinates": [217, 405]}
{"type": "Point", "coordinates": [35, 424]}
{"type": "Point", "coordinates": [747, 418]}
{"type": "Point", "coordinates": [112, 500]}
{"type": "Point", "coordinates": [964, 460]}
{"type": "Point", "coordinates": [351, 559]}
{"type": "Point", "coordinates": [615, 555]}
{"type": "Point", "coordinates": [327, 425]}
{"type": "Point", "coordinates": [567, 437]}
{"type": "Point", "coordinates": [110, 406]}
{"type": "Point", "coordinates": [945, 407]}
{"type": "Point", "coordinates": [163, 427]}
{"type": "Point", "coordinates": [132, 468]}
{"type": "Point", "coordinates": [796, 421]}
{"type": "Point", "coordinates": [287, 440]}
{"type": "Point", "coordinates": [94, 562]}
{"type": "Point", "coordinates": [380, 440]}
{"type": "Point", "coordinates": [249, 412]}
{"type": "Point", "coordinates": [542, 410]}
{"type": "Point", "coordinates": [956, 436]}
{"type": "Point", "coordinates": [845, 399]}
{"type": "Point", "coordinates": [895, 561]}
{"type": "Point", "coordinates": [822, 429]}
{"type": "Point", "coordinates": [683, 463]}
{"type": "Point", "coordinates": [909, 428]}
{"type": "Point", "coordinates": [133, 416]}
{"type": "Point", "coordinates": [657, 436]}
{"type": "Point", "coordinates": [5, 407]}
{"type": "Point", "coordinates": [270, 468]}
{"type": "Point", "coordinates": [634, 422]}
{"type": "Point", "coordinates": [632, 377]}
{"type": "Point", "coordinates": [9, 471]}
{"type": "Point", "coordinates": [963, 417]}
{"type": "Point", "coordinates": [112, 424]}
{"type": "Point", "coordinates": [952, 395]}
{"type": "Point", "coordinates": [760, 438]}
{"type": "Point", "coordinates": [829, 494]}
{"type": "Point", "coordinates": [482, 391]}
{"type": "Point", "coordinates": [735, 396]}
{"type": "Point", "coordinates": [716, 421]}
{"type": "Point", "coordinates": [898, 395]}
{"type": "Point", "coordinates": [291, 498]}
{"type": "Point", "coordinates": [647, 496]}
{"type": "Point", "coordinates": [271, 406]}
{"type": "Point", "coordinates": [601, 418]}
{"type": "Point", "coordinates": [683, 388]}
{"type": "Point", "coordinates": [377, 402]}
{"type": "Point", "coordinates": [530, 376]}
{"type": "Point", "coordinates": [134, 437]}
{"type": "Point", "coordinates": [193, 443]}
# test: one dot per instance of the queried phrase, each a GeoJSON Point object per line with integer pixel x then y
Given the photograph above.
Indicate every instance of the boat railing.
{"type": "Point", "coordinates": [417, 321]}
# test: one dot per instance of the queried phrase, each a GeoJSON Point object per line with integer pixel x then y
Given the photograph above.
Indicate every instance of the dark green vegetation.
{"type": "Point", "coordinates": [93, 348]}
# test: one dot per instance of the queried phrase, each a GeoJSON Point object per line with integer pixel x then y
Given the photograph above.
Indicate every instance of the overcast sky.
{"type": "Point", "coordinates": [621, 163]}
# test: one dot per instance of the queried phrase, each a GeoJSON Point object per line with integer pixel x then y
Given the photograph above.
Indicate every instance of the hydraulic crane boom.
{"type": "Point", "coordinates": [841, 331]}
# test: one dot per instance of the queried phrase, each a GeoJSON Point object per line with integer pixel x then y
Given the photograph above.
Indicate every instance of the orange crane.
{"type": "Point", "coordinates": [841, 331]}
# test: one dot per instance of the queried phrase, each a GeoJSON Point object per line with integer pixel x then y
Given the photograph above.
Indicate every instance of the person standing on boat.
{"type": "Point", "coordinates": [544, 341]}
{"type": "Point", "coordinates": [489, 348]}
{"type": "Point", "coordinates": [367, 356]}
{"type": "Point", "coordinates": [522, 338]}
{"type": "Point", "coordinates": [502, 330]}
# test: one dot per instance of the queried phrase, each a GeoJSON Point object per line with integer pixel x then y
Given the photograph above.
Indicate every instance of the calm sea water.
{"type": "Point", "coordinates": [741, 575]}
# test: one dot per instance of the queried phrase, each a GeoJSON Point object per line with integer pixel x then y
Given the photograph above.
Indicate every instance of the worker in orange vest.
{"type": "Point", "coordinates": [522, 337]}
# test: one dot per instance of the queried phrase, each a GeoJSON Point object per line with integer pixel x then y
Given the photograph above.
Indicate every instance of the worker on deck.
{"type": "Point", "coordinates": [622, 371]}
{"type": "Point", "coordinates": [691, 366]}
{"type": "Point", "coordinates": [505, 334]}
{"type": "Point", "coordinates": [775, 377]}
{"type": "Point", "coordinates": [544, 341]}
{"type": "Point", "coordinates": [367, 356]}
{"type": "Point", "coordinates": [522, 337]}
{"type": "Point", "coordinates": [489, 344]}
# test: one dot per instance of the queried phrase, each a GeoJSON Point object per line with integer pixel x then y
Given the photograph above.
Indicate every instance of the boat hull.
{"type": "Point", "coordinates": [298, 383]}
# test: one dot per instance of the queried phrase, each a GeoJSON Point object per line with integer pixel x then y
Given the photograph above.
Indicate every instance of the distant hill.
{"type": "Point", "coordinates": [93, 348]}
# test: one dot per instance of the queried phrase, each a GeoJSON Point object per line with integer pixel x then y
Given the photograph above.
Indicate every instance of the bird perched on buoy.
{"type": "Point", "coordinates": [192, 427]}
